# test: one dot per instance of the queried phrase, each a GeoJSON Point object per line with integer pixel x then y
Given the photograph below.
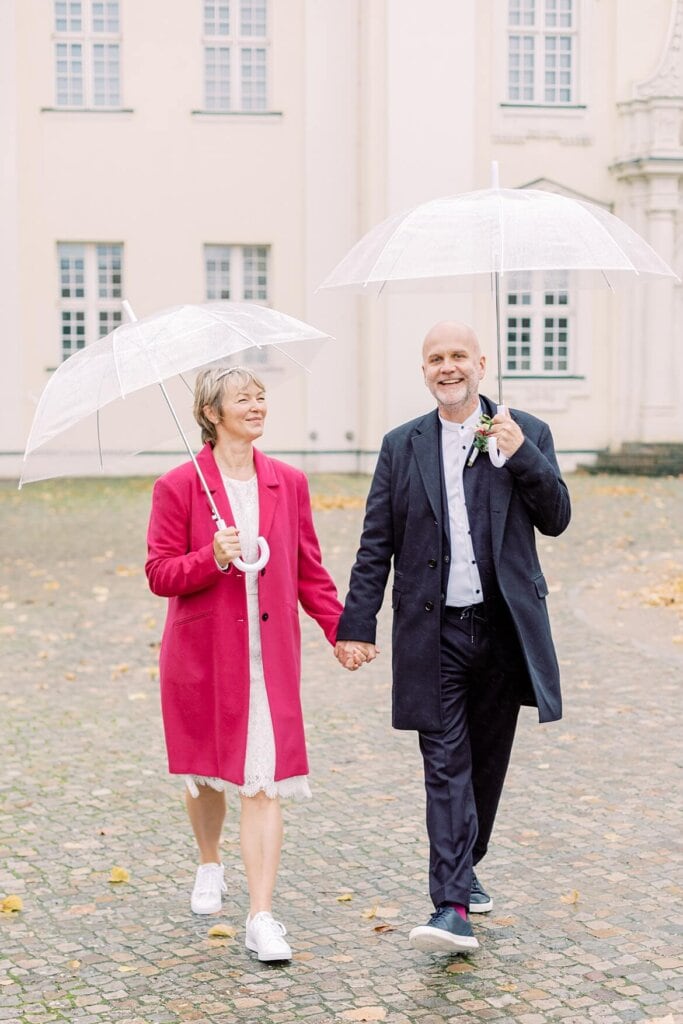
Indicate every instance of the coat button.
{"type": "Point", "coordinates": [432, 563]}
{"type": "Point", "coordinates": [265, 616]}
{"type": "Point", "coordinates": [429, 606]}
{"type": "Point", "coordinates": [446, 559]}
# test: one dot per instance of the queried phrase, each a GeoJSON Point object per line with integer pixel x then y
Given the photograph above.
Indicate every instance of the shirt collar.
{"type": "Point", "coordinates": [469, 424]}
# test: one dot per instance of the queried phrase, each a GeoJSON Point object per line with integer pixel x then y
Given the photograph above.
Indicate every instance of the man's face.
{"type": "Point", "coordinates": [453, 365]}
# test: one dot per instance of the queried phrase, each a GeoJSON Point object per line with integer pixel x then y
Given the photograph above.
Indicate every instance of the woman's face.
{"type": "Point", "coordinates": [243, 412]}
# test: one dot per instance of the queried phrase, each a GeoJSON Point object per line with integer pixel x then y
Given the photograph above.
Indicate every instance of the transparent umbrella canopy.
{"type": "Point", "coordinates": [98, 403]}
{"type": "Point", "coordinates": [494, 232]}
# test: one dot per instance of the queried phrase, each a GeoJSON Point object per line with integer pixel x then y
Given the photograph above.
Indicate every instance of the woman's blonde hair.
{"type": "Point", "coordinates": [209, 389]}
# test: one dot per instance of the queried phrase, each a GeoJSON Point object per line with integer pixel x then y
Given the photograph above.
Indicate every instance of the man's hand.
{"type": "Point", "coordinates": [354, 653]}
{"type": "Point", "coordinates": [508, 434]}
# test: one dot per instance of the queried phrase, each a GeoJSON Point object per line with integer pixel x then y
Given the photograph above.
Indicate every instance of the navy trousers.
{"type": "Point", "coordinates": [465, 763]}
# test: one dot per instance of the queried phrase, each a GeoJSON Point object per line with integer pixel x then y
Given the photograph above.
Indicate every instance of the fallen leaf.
{"type": "Point", "coordinates": [459, 968]}
{"type": "Point", "coordinates": [345, 897]}
{"type": "Point", "coordinates": [370, 913]}
{"type": "Point", "coordinates": [570, 897]}
{"type": "Point", "coordinates": [12, 905]}
{"type": "Point", "coordinates": [51, 585]}
{"type": "Point", "coordinates": [74, 964]}
{"type": "Point", "coordinates": [365, 1013]}
{"type": "Point", "coordinates": [384, 928]}
{"type": "Point", "coordinates": [70, 676]}
{"type": "Point", "coordinates": [223, 931]}
{"type": "Point", "coordinates": [127, 570]}
{"type": "Point", "coordinates": [127, 968]}
{"type": "Point", "coordinates": [509, 986]}
{"type": "Point", "coordinates": [118, 875]}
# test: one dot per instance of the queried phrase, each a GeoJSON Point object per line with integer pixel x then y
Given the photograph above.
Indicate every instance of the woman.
{"type": "Point", "coordinates": [231, 653]}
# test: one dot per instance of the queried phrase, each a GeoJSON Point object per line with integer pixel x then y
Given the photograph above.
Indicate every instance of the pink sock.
{"type": "Point", "coordinates": [461, 910]}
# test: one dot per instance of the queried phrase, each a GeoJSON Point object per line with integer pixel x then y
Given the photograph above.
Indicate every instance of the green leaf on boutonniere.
{"type": "Point", "coordinates": [481, 437]}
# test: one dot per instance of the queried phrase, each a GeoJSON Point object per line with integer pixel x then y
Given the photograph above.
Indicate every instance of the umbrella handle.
{"type": "Point", "coordinates": [264, 553]}
{"type": "Point", "coordinates": [497, 458]}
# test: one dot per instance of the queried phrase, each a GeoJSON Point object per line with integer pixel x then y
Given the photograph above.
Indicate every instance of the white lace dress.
{"type": "Point", "coordinates": [259, 765]}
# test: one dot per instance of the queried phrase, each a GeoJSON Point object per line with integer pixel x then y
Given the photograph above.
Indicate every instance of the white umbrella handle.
{"type": "Point", "coordinates": [497, 458]}
{"type": "Point", "coordinates": [264, 553]}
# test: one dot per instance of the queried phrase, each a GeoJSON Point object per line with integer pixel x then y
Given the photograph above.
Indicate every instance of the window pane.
{"type": "Point", "coordinates": [253, 18]}
{"type": "Point", "coordinates": [109, 259]}
{"type": "Point", "coordinates": [217, 77]}
{"type": "Point", "coordinates": [216, 19]}
{"type": "Point", "coordinates": [255, 273]}
{"type": "Point", "coordinates": [71, 270]}
{"type": "Point", "coordinates": [72, 332]}
{"type": "Point", "coordinates": [217, 271]}
{"type": "Point", "coordinates": [253, 78]}
{"type": "Point", "coordinates": [106, 91]}
{"type": "Point", "coordinates": [69, 74]}
{"type": "Point", "coordinates": [105, 16]}
{"type": "Point", "coordinates": [68, 16]}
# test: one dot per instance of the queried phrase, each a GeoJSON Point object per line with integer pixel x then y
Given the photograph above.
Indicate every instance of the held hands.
{"type": "Point", "coordinates": [226, 546]}
{"type": "Point", "coordinates": [508, 434]}
{"type": "Point", "coordinates": [354, 653]}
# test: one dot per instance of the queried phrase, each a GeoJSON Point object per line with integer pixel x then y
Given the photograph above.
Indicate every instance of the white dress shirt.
{"type": "Point", "coordinates": [464, 585]}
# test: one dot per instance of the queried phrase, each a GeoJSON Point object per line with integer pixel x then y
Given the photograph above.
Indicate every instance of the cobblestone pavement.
{"type": "Point", "coordinates": [585, 866]}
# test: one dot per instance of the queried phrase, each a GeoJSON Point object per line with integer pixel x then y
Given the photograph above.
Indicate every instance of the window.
{"type": "Point", "coordinates": [89, 293]}
{"type": "Point", "coordinates": [542, 43]}
{"type": "Point", "coordinates": [238, 272]}
{"type": "Point", "coordinates": [87, 53]}
{"type": "Point", "coordinates": [537, 323]}
{"type": "Point", "coordinates": [235, 55]}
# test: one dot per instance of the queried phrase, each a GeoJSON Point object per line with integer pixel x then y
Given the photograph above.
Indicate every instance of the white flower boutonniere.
{"type": "Point", "coordinates": [481, 437]}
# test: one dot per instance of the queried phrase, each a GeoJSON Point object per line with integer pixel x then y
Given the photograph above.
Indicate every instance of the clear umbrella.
{"type": "Point", "coordinates": [495, 232]}
{"type": "Point", "coordinates": [83, 391]}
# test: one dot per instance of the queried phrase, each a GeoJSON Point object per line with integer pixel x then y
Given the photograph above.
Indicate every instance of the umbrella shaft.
{"type": "Point", "coordinates": [496, 288]}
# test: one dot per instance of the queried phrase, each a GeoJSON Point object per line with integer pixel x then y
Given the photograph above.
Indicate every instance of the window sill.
{"type": "Point", "coordinates": [229, 115]}
{"type": "Point", "coordinates": [87, 110]}
{"type": "Point", "coordinates": [543, 106]}
{"type": "Point", "coordinates": [544, 376]}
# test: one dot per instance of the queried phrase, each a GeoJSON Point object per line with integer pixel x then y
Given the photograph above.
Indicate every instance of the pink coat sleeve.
{"type": "Point", "coordinates": [172, 569]}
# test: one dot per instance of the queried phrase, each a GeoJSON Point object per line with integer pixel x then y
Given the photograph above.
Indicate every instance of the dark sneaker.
{"type": "Point", "coordinates": [446, 932]}
{"type": "Point", "coordinates": [480, 901]}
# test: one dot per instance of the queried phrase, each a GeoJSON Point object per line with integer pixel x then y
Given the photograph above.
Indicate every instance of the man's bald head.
{"type": "Point", "coordinates": [453, 365]}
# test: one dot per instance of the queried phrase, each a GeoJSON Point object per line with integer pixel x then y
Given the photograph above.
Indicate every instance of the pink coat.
{"type": "Point", "coordinates": [204, 661]}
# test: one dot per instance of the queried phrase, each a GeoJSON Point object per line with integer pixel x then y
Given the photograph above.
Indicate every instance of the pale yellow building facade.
{"type": "Point", "coordinates": [171, 151]}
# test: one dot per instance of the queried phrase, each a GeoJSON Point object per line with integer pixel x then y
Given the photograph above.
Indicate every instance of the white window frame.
{"type": "Point", "coordinates": [230, 45]}
{"type": "Point", "coordinates": [536, 29]}
{"type": "Point", "coordinates": [233, 281]}
{"type": "Point", "coordinates": [545, 303]}
{"type": "Point", "coordinates": [95, 306]}
{"type": "Point", "coordinates": [84, 37]}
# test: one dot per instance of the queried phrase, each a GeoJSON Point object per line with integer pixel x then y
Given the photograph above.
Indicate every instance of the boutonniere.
{"type": "Point", "coordinates": [481, 437]}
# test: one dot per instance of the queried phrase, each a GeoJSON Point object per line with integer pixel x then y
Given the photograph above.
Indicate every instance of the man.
{"type": "Point", "coordinates": [471, 636]}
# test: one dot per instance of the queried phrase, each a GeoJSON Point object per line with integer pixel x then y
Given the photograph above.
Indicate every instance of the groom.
{"type": "Point", "coordinates": [471, 636]}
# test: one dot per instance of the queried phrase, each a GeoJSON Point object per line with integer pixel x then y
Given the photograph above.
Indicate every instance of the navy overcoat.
{"type": "Point", "coordinates": [405, 523]}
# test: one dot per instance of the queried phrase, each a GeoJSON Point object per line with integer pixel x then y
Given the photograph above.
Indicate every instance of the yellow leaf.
{"type": "Point", "coordinates": [74, 964]}
{"type": "Point", "coordinates": [127, 968]}
{"type": "Point", "coordinates": [571, 897]}
{"type": "Point", "coordinates": [51, 585]}
{"type": "Point", "coordinates": [225, 931]}
{"type": "Point", "coordinates": [370, 913]}
{"type": "Point", "coordinates": [384, 928]}
{"type": "Point", "coordinates": [70, 676]}
{"type": "Point", "coordinates": [345, 897]}
{"type": "Point", "coordinates": [119, 875]}
{"type": "Point", "coordinates": [12, 905]}
{"type": "Point", "coordinates": [127, 570]}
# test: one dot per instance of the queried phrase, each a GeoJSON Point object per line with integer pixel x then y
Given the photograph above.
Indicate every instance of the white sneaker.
{"type": "Point", "coordinates": [265, 937]}
{"type": "Point", "coordinates": [209, 886]}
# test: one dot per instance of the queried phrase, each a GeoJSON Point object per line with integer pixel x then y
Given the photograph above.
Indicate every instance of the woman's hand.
{"type": "Point", "coordinates": [226, 546]}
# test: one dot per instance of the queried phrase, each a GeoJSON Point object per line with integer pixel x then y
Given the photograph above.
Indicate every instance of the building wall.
{"type": "Point", "coordinates": [375, 106]}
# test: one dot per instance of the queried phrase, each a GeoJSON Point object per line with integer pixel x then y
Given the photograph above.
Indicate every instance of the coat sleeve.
{"type": "Point", "coordinates": [540, 485]}
{"type": "Point", "coordinates": [172, 569]}
{"type": "Point", "coordinates": [373, 561]}
{"type": "Point", "coordinates": [316, 590]}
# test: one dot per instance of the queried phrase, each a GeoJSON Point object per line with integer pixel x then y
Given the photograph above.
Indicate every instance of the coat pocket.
{"type": "Point", "coordinates": [541, 585]}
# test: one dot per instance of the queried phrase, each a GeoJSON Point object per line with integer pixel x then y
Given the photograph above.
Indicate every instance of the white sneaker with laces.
{"type": "Point", "coordinates": [209, 886]}
{"type": "Point", "coordinates": [265, 937]}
